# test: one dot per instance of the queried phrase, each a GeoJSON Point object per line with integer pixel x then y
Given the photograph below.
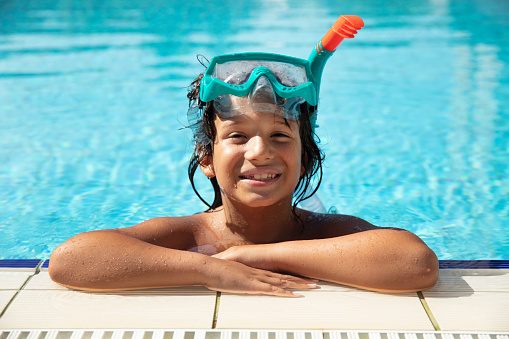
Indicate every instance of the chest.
{"type": "Point", "coordinates": [214, 237]}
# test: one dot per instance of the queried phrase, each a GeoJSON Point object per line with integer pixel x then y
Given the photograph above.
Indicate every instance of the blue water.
{"type": "Point", "coordinates": [414, 114]}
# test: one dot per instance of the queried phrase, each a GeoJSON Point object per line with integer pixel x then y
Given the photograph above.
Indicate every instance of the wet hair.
{"type": "Point", "coordinates": [312, 156]}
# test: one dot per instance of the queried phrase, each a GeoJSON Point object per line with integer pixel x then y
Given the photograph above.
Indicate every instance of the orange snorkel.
{"type": "Point", "coordinates": [344, 28]}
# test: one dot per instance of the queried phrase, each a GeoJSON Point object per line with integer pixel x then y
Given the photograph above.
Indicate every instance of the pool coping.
{"type": "Point", "coordinates": [459, 281]}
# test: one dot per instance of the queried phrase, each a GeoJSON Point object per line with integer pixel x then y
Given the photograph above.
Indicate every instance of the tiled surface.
{"type": "Point", "coordinates": [43, 304]}
{"type": "Point", "coordinates": [5, 297]}
{"type": "Point", "coordinates": [349, 310]}
{"type": "Point", "coordinates": [463, 300]}
{"type": "Point", "coordinates": [471, 300]}
{"type": "Point", "coordinates": [66, 309]}
{"type": "Point", "coordinates": [472, 280]}
{"type": "Point", "coordinates": [13, 280]}
{"type": "Point", "coordinates": [480, 311]}
{"type": "Point", "coordinates": [42, 281]}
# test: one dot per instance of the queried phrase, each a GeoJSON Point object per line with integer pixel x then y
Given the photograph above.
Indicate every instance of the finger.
{"type": "Point", "coordinates": [288, 281]}
{"type": "Point", "coordinates": [222, 256]}
{"type": "Point", "coordinates": [302, 279]}
{"type": "Point", "coordinates": [260, 287]}
{"type": "Point", "coordinates": [291, 279]}
{"type": "Point", "coordinates": [297, 284]}
{"type": "Point", "coordinates": [306, 286]}
{"type": "Point", "coordinates": [275, 287]}
{"type": "Point", "coordinates": [280, 292]}
{"type": "Point", "coordinates": [297, 278]}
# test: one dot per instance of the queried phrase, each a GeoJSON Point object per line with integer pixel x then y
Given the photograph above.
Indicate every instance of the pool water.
{"type": "Point", "coordinates": [414, 113]}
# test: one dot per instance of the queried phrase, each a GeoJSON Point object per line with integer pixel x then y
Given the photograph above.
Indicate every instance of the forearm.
{"type": "Point", "coordinates": [381, 260]}
{"type": "Point", "coordinates": [108, 260]}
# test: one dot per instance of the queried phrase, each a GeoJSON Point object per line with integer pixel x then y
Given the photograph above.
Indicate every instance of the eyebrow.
{"type": "Point", "coordinates": [232, 123]}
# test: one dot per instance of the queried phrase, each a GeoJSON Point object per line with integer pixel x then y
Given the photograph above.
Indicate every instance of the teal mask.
{"type": "Point", "coordinates": [275, 83]}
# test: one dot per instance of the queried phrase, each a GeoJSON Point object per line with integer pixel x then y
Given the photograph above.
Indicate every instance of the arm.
{"type": "Point", "coordinates": [379, 259]}
{"type": "Point", "coordinates": [114, 260]}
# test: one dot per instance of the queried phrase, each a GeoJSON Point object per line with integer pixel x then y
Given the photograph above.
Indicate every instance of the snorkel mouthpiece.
{"type": "Point", "coordinates": [344, 28]}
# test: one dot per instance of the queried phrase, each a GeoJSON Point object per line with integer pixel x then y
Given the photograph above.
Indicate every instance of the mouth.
{"type": "Point", "coordinates": [260, 177]}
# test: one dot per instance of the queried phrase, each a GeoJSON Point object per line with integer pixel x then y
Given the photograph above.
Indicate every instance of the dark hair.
{"type": "Point", "coordinates": [312, 156]}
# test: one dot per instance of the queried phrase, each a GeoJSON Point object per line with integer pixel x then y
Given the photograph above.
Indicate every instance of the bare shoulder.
{"type": "Point", "coordinates": [321, 225]}
{"type": "Point", "coordinates": [171, 232]}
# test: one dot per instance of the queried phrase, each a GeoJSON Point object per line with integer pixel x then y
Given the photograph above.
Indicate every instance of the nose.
{"type": "Point", "coordinates": [258, 149]}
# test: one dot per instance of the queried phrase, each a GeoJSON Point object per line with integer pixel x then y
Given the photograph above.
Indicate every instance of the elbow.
{"type": "Point", "coordinates": [418, 266]}
{"type": "Point", "coordinates": [424, 268]}
{"type": "Point", "coordinates": [60, 268]}
{"type": "Point", "coordinates": [432, 270]}
{"type": "Point", "coordinates": [70, 263]}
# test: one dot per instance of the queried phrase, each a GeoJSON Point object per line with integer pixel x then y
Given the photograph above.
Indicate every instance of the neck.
{"type": "Point", "coordinates": [261, 225]}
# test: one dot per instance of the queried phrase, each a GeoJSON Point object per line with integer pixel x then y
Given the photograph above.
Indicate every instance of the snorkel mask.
{"type": "Point", "coordinates": [267, 82]}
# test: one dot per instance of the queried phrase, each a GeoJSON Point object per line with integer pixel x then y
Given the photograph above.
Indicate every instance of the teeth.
{"type": "Point", "coordinates": [261, 177]}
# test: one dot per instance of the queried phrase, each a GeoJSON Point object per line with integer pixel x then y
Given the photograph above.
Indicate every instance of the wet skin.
{"type": "Point", "coordinates": [243, 246]}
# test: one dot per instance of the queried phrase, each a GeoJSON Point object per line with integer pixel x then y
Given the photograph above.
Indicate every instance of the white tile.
{"type": "Point", "coordinates": [191, 307]}
{"type": "Point", "coordinates": [471, 299]}
{"type": "Point", "coordinates": [5, 297]}
{"type": "Point", "coordinates": [469, 310]}
{"type": "Point", "coordinates": [472, 280]}
{"type": "Point", "coordinates": [13, 280]}
{"type": "Point", "coordinates": [42, 281]}
{"type": "Point", "coordinates": [352, 309]}
{"type": "Point", "coordinates": [325, 286]}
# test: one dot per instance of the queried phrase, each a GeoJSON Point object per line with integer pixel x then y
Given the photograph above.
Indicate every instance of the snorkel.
{"type": "Point", "coordinates": [290, 80]}
{"type": "Point", "coordinates": [344, 28]}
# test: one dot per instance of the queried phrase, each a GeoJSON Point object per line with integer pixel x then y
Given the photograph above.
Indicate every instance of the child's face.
{"type": "Point", "coordinates": [256, 158]}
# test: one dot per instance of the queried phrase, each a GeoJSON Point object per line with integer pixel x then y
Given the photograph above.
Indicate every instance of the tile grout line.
{"type": "Point", "coordinates": [427, 309]}
{"type": "Point", "coordinates": [216, 310]}
{"type": "Point", "coordinates": [37, 270]}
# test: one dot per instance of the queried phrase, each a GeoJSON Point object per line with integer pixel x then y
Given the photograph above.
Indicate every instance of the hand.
{"type": "Point", "coordinates": [230, 276]}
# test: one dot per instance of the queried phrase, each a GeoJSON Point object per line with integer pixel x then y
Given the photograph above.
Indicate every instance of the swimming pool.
{"type": "Point", "coordinates": [413, 114]}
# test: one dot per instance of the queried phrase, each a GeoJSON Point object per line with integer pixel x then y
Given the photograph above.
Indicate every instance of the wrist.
{"type": "Point", "coordinates": [260, 256]}
{"type": "Point", "coordinates": [211, 271]}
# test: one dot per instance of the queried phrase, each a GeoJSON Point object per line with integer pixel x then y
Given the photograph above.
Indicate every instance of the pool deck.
{"type": "Point", "coordinates": [463, 301]}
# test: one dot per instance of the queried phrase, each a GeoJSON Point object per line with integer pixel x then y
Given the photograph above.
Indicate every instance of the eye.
{"type": "Point", "coordinates": [280, 135]}
{"type": "Point", "coordinates": [237, 138]}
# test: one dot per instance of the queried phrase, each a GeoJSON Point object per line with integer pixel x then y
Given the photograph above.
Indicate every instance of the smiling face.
{"type": "Point", "coordinates": [256, 158]}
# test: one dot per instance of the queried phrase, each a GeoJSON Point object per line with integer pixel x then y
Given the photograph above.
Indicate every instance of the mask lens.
{"type": "Point", "coordinates": [238, 72]}
{"type": "Point", "coordinates": [261, 81]}
{"type": "Point", "coordinates": [262, 98]}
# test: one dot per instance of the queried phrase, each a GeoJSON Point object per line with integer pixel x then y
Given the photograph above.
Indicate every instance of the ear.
{"type": "Point", "coordinates": [207, 167]}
